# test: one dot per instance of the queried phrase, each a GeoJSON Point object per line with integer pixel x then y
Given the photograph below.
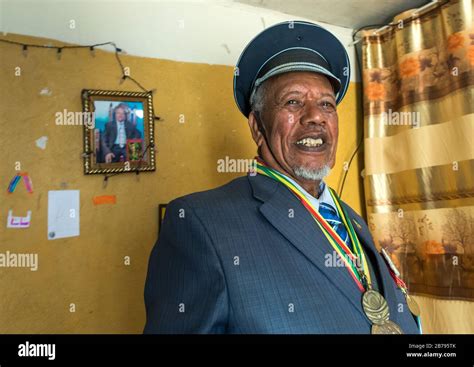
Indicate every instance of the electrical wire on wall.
{"type": "Point", "coordinates": [60, 49]}
{"type": "Point", "coordinates": [124, 74]}
{"type": "Point", "coordinates": [378, 28]}
{"type": "Point", "coordinates": [359, 70]}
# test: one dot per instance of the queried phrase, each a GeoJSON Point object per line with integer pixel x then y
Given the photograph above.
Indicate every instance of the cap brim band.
{"type": "Point", "coordinates": [297, 66]}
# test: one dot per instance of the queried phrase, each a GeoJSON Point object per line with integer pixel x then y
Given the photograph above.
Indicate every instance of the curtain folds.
{"type": "Point", "coordinates": [418, 89]}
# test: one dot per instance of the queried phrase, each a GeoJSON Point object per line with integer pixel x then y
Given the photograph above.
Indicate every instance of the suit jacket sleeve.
{"type": "Point", "coordinates": [106, 139]}
{"type": "Point", "coordinates": [185, 290]}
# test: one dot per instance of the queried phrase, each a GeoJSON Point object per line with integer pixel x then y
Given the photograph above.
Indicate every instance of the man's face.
{"type": "Point", "coordinates": [301, 123]}
{"type": "Point", "coordinates": [119, 114]}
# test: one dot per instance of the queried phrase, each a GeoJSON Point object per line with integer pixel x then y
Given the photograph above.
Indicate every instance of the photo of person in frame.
{"type": "Point", "coordinates": [124, 122]}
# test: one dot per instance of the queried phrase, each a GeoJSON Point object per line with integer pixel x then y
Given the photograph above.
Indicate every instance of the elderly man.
{"type": "Point", "coordinates": [277, 251]}
{"type": "Point", "coordinates": [116, 134]}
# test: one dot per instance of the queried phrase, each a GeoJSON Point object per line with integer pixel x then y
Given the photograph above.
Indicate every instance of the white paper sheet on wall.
{"type": "Point", "coordinates": [63, 214]}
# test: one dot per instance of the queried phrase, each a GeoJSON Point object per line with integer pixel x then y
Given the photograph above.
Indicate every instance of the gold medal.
{"type": "Point", "coordinates": [375, 307]}
{"type": "Point", "coordinates": [374, 304]}
{"type": "Point", "coordinates": [388, 327]}
{"type": "Point", "coordinates": [413, 306]}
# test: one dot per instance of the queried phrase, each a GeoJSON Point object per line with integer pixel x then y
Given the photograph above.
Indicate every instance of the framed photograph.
{"type": "Point", "coordinates": [118, 135]}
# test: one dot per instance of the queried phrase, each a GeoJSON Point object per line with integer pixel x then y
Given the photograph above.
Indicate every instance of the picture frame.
{"type": "Point", "coordinates": [118, 131]}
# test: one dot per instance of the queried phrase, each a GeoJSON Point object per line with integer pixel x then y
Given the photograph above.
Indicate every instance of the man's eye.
{"type": "Point", "coordinates": [328, 105]}
{"type": "Point", "coordinates": [293, 102]}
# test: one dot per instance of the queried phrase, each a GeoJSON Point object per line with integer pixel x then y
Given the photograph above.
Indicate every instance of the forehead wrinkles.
{"type": "Point", "coordinates": [302, 87]}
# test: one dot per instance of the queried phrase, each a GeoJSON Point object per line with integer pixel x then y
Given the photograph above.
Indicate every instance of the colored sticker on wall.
{"type": "Point", "coordinates": [15, 180]}
{"type": "Point", "coordinates": [104, 199]}
{"type": "Point", "coordinates": [18, 222]}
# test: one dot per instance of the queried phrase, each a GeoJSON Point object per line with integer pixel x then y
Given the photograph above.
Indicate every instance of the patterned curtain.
{"type": "Point", "coordinates": [419, 153]}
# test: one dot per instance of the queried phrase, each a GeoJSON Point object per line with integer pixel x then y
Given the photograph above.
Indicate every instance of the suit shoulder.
{"type": "Point", "coordinates": [226, 194]}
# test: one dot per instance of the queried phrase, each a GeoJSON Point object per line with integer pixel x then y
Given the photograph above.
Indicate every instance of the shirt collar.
{"type": "Point", "coordinates": [324, 196]}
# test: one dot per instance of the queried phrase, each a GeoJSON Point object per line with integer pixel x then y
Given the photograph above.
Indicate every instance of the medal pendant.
{"type": "Point", "coordinates": [413, 306]}
{"type": "Point", "coordinates": [389, 327]}
{"type": "Point", "coordinates": [375, 307]}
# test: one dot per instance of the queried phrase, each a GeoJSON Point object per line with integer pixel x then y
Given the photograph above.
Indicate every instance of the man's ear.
{"type": "Point", "coordinates": [254, 125]}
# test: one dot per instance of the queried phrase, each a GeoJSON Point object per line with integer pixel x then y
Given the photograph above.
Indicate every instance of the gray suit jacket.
{"type": "Point", "coordinates": [233, 260]}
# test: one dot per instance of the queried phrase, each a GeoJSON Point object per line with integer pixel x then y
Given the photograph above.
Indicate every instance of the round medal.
{"type": "Point", "coordinates": [375, 307]}
{"type": "Point", "coordinates": [388, 327]}
{"type": "Point", "coordinates": [413, 306]}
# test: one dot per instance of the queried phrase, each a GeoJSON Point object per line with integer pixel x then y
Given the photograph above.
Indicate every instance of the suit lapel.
{"type": "Point", "coordinates": [128, 128]}
{"type": "Point", "coordinates": [388, 285]}
{"type": "Point", "coordinates": [286, 213]}
{"type": "Point", "coordinates": [113, 134]}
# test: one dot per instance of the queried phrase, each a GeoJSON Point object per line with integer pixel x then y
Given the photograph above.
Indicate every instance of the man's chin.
{"type": "Point", "coordinates": [312, 174]}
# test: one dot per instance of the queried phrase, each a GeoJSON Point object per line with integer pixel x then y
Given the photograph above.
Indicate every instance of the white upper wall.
{"type": "Point", "coordinates": [203, 31]}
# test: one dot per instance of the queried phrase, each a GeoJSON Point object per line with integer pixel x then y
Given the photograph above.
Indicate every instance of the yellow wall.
{"type": "Point", "coordinates": [89, 270]}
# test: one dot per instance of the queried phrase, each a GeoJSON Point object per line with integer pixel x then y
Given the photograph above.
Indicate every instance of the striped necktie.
{"type": "Point", "coordinates": [122, 136]}
{"type": "Point", "coordinates": [332, 217]}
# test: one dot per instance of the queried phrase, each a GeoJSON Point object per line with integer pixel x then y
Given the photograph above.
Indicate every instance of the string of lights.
{"type": "Point", "coordinates": [124, 75]}
{"type": "Point", "coordinates": [60, 49]}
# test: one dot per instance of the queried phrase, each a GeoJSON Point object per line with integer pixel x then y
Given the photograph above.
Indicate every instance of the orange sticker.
{"type": "Point", "coordinates": [104, 199]}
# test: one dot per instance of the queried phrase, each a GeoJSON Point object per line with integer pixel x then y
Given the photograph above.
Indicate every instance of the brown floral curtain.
{"type": "Point", "coordinates": [419, 154]}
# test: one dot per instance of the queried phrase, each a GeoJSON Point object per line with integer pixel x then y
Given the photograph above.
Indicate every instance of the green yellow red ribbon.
{"type": "Point", "coordinates": [361, 276]}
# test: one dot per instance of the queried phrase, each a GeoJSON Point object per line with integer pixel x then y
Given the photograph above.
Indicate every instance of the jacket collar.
{"type": "Point", "coordinates": [299, 229]}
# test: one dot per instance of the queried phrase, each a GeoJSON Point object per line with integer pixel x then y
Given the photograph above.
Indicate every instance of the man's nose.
{"type": "Point", "coordinates": [313, 114]}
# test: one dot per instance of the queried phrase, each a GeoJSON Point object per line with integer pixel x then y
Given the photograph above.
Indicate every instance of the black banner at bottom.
{"type": "Point", "coordinates": [68, 350]}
